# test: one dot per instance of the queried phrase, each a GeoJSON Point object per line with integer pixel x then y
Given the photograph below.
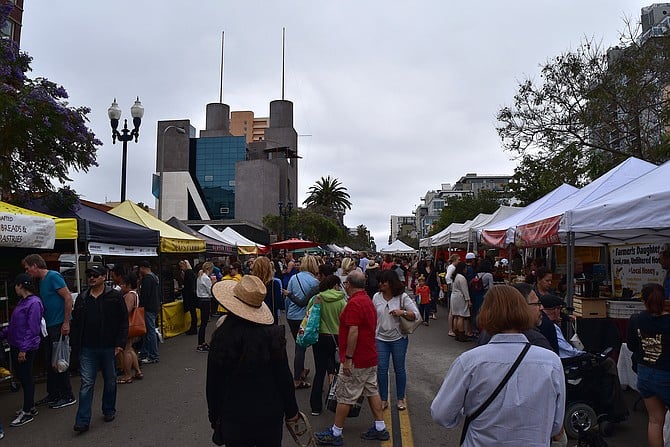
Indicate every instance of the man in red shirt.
{"type": "Point", "coordinates": [358, 356]}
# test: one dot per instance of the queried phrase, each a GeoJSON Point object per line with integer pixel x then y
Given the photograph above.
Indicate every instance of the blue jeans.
{"type": "Point", "coordinates": [90, 361]}
{"type": "Point", "coordinates": [397, 349]}
{"type": "Point", "coordinates": [150, 345]}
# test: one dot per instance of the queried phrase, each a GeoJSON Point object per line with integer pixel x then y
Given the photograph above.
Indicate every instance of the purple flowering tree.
{"type": "Point", "coordinates": [42, 137]}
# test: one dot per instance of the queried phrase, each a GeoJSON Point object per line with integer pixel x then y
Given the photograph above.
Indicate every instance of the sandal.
{"type": "Point", "coordinates": [124, 380]}
{"type": "Point", "coordinates": [302, 385]}
{"type": "Point", "coordinates": [305, 373]}
{"type": "Point", "coordinates": [401, 405]}
{"type": "Point", "coordinates": [139, 376]}
{"type": "Point", "coordinates": [385, 404]}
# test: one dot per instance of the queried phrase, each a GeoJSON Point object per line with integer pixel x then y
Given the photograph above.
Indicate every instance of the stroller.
{"type": "Point", "coordinates": [593, 395]}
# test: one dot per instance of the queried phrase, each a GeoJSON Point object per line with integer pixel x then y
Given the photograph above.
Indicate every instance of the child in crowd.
{"type": "Point", "coordinates": [423, 295]}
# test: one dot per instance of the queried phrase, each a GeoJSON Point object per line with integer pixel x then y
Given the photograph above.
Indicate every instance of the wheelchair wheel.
{"type": "Point", "coordinates": [579, 417]}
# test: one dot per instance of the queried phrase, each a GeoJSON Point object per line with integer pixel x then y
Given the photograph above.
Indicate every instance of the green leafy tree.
{"type": "Point", "coordinates": [328, 195]}
{"type": "Point", "coordinates": [311, 225]}
{"type": "Point", "coordinates": [41, 136]}
{"type": "Point", "coordinates": [590, 110]}
{"type": "Point", "coordinates": [465, 207]}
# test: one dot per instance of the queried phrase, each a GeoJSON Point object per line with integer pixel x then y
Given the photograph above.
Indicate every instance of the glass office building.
{"type": "Point", "coordinates": [215, 159]}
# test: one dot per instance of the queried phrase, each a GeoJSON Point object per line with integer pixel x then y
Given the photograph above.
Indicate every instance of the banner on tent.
{"type": "Point", "coordinates": [18, 230]}
{"type": "Point", "coordinates": [538, 234]}
{"type": "Point", "coordinates": [182, 246]}
{"type": "Point", "coordinates": [98, 248]}
{"type": "Point", "coordinates": [634, 266]}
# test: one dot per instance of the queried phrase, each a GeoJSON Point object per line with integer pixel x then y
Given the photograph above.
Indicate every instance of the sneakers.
{"type": "Point", "coordinates": [21, 419]}
{"type": "Point", "coordinates": [2, 434]}
{"type": "Point", "coordinates": [316, 413]}
{"type": "Point", "coordinates": [49, 400]}
{"type": "Point", "coordinates": [80, 428]}
{"type": "Point", "coordinates": [147, 361]}
{"type": "Point", "coordinates": [375, 435]}
{"type": "Point", "coordinates": [33, 412]}
{"type": "Point", "coordinates": [203, 348]}
{"type": "Point", "coordinates": [327, 437]}
{"type": "Point", "coordinates": [109, 417]}
{"type": "Point", "coordinates": [62, 403]}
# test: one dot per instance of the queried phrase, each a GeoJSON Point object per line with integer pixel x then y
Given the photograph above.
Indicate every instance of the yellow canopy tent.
{"type": "Point", "coordinates": [66, 228]}
{"type": "Point", "coordinates": [172, 239]}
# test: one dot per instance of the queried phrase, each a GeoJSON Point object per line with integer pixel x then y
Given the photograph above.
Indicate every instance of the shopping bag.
{"type": "Point", "coordinates": [60, 354]}
{"type": "Point", "coordinates": [574, 340]}
{"type": "Point", "coordinates": [308, 334]}
{"type": "Point", "coordinates": [331, 401]}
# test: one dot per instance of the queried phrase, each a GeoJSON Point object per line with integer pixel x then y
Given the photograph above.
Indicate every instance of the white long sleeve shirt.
{"type": "Point", "coordinates": [529, 409]}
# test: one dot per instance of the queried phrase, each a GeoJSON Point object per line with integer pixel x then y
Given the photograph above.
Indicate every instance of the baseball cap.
{"type": "Point", "coordinates": [470, 256]}
{"type": "Point", "coordinates": [97, 269]}
{"type": "Point", "coordinates": [23, 279]}
{"type": "Point", "coordinates": [145, 263]}
{"type": "Point", "coordinates": [551, 301]}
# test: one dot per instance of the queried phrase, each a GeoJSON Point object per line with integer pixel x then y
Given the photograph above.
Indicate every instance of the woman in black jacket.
{"type": "Point", "coordinates": [249, 383]}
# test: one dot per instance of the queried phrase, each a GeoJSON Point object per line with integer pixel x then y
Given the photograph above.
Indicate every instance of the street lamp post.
{"type": "Point", "coordinates": [285, 211]}
{"type": "Point", "coordinates": [181, 131]}
{"type": "Point", "coordinates": [114, 113]}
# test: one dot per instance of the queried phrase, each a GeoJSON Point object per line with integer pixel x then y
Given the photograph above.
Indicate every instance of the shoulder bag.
{"type": "Point", "coordinates": [407, 326]}
{"type": "Point", "coordinates": [136, 325]}
{"type": "Point", "coordinates": [495, 393]}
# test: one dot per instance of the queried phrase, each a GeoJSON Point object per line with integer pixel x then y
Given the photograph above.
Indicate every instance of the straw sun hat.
{"type": "Point", "coordinates": [244, 299]}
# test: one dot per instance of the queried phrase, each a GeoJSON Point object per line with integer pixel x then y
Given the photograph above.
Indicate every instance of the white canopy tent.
{"type": "Point", "coordinates": [541, 228]}
{"type": "Point", "coordinates": [501, 233]}
{"type": "Point", "coordinates": [398, 247]}
{"type": "Point", "coordinates": [637, 212]}
{"type": "Point", "coordinates": [335, 248]}
{"type": "Point", "coordinates": [232, 237]}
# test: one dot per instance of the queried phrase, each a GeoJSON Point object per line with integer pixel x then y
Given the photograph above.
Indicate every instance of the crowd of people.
{"type": "Point", "coordinates": [362, 303]}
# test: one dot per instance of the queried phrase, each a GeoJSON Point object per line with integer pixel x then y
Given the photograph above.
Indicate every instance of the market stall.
{"type": "Point", "coordinates": [398, 247]}
{"type": "Point", "coordinates": [174, 244]}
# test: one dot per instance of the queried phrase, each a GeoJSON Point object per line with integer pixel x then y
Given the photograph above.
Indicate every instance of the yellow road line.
{"type": "Point", "coordinates": [387, 421]}
{"type": "Point", "coordinates": [406, 429]}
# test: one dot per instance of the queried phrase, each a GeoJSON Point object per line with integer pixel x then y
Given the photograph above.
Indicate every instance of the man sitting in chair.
{"type": "Point", "coordinates": [606, 382]}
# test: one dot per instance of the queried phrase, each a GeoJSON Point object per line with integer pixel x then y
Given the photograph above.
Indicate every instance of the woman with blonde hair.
{"type": "Point", "coordinates": [529, 407]}
{"type": "Point", "coordinates": [262, 268]}
{"type": "Point", "coordinates": [301, 287]}
{"type": "Point", "coordinates": [203, 290]}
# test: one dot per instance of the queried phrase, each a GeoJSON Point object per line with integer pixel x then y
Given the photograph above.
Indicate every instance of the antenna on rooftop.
{"type": "Point", "coordinates": [283, 52]}
{"type": "Point", "coordinates": [221, 80]}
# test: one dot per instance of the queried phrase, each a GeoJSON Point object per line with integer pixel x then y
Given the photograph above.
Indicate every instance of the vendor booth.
{"type": "Point", "coordinates": [174, 244]}
{"type": "Point", "coordinates": [231, 237]}
{"type": "Point", "coordinates": [398, 247]}
{"type": "Point", "coordinates": [213, 246]}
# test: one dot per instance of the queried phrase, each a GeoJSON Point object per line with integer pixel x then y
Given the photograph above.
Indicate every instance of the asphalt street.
{"type": "Point", "coordinates": [168, 407]}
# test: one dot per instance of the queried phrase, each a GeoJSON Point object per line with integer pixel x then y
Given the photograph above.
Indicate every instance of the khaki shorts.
{"type": "Point", "coordinates": [361, 382]}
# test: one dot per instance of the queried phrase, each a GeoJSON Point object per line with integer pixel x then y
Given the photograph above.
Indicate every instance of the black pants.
{"type": "Point", "coordinates": [204, 306]}
{"type": "Point", "coordinates": [324, 362]}
{"type": "Point", "coordinates": [191, 304]}
{"type": "Point", "coordinates": [58, 384]}
{"type": "Point", "coordinates": [24, 372]}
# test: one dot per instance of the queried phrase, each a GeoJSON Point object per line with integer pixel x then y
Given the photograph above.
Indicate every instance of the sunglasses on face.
{"type": "Point", "coordinates": [92, 275]}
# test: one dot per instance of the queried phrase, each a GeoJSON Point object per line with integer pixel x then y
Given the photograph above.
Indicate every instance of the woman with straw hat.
{"type": "Point", "coordinates": [249, 383]}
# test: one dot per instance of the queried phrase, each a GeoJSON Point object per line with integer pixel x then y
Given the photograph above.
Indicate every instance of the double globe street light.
{"type": "Point", "coordinates": [114, 113]}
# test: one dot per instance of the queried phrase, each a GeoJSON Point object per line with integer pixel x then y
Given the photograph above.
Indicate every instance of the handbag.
{"type": "Point", "coordinates": [308, 334]}
{"type": "Point", "coordinates": [136, 324]}
{"type": "Point", "coordinates": [574, 340]}
{"type": "Point", "coordinates": [60, 358]}
{"type": "Point", "coordinates": [407, 326]}
{"type": "Point", "coordinates": [495, 393]}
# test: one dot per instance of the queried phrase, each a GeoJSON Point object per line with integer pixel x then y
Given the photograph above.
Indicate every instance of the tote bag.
{"type": "Point", "coordinates": [136, 325]}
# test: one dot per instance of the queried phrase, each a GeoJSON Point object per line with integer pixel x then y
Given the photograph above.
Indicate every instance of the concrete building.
{"type": "Point", "coordinates": [12, 28]}
{"type": "Point", "coordinates": [402, 225]}
{"type": "Point", "coordinates": [222, 179]}
{"type": "Point", "coordinates": [474, 183]}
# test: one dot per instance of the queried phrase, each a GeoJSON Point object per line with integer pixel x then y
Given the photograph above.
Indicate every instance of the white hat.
{"type": "Point", "coordinates": [470, 256]}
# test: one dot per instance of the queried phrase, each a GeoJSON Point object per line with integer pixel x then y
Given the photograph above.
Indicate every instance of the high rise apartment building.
{"type": "Point", "coordinates": [244, 123]}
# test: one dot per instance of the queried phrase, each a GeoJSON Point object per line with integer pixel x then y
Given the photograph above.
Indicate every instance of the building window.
{"type": "Point", "coordinates": [209, 178]}
{"type": "Point", "coordinates": [7, 29]}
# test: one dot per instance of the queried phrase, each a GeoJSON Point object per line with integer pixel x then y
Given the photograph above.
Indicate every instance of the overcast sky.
{"type": "Point", "coordinates": [397, 97]}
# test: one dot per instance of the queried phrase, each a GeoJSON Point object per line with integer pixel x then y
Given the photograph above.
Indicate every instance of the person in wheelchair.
{"type": "Point", "coordinates": [591, 378]}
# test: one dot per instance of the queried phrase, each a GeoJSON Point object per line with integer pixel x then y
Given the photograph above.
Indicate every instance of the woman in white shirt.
{"type": "Point", "coordinates": [460, 301]}
{"type": "Point", "coordinates": [392, 304]}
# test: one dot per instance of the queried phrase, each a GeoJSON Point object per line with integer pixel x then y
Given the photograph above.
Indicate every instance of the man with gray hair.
{"type": "Point", "coordinates": [358, 359]}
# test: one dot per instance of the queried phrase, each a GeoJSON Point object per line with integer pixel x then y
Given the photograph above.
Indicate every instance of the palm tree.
{"type": "Point", "coordinates": [329, 195]}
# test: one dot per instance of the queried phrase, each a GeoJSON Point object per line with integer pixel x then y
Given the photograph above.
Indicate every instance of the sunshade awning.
{"type": "Point", "coordinates": [65, 228]}
{"type": "Point", "coordinates": [171, 239]}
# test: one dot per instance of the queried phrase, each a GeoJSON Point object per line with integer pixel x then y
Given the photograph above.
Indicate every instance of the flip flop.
{"type": "Point", "coordinates": [302, 385]}
{"type": "Point", "coordinates": [124, 381]}
{"type": "Point", "coordinates": [401, 405]}
{"type": "Point", "coordinates": [139, 376]}
{"type": "Point", "coordinates": [305, 373]}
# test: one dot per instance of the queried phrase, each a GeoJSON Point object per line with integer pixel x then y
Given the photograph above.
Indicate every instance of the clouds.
{"type": "Point", "coordinates": [398, 97]}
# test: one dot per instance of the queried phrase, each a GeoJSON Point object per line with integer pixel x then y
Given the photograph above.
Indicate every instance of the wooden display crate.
{"type": "Point", "coordinates": [589, 307]}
